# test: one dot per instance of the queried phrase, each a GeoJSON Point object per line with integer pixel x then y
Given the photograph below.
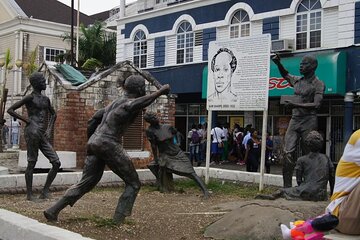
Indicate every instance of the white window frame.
{"type": "Point", "coordinates": [140, 49]}
{"type": "Point", "coordinates": [187, 45]}
{"type": "Point", "coordinates": [242, 24]}
{"type": "Point", "coordinates": [308, 29]}
{"type": "Point", "coordinates": [59, 50]}
{"type": "Point", "coordinates": [160, 1]}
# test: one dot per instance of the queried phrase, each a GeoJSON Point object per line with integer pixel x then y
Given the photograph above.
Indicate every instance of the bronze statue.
{"type": "Point", "coordinates": [37, 133]}
{"type": "Point", "coordinates": [168, 157]}
{"type": "Point", "coordinates": [104, 148]}
{"type": "Point", "coordinates": [307, 98]}
{"type": "Point", "coordinates": [313, 171]}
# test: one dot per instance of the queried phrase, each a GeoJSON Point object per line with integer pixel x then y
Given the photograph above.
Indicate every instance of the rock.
{"type": "Point", "coordinates": [260, 219]}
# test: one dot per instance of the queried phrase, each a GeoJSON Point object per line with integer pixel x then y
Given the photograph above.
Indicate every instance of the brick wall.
{"type": "Point", "coordinates": [75, 106]}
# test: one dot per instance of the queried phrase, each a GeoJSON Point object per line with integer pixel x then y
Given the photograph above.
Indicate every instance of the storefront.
{"type": "Point", "coordinates": [332, 71]}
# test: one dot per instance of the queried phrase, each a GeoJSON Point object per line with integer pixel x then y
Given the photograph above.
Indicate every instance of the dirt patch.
{"type": "Point", "coordinates": [180, 215]}
{"type": "Point", "coordinates": [156, 216]}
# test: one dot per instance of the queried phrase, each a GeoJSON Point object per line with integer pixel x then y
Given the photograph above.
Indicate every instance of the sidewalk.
{"type": "Point", "coordinates": [274, 169]}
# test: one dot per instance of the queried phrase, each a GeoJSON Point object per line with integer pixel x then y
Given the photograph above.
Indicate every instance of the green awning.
{"type": "Point", "coordinates": [331, 70]}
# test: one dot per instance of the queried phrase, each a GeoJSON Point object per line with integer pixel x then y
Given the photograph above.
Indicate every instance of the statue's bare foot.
{"type": "Point", "coordinates": [50, 216]}
{"type": "Point", "coordinates": [45, 195]}
{"type": "Point", "coordinates": [119, 218]}
{"type": "Point", "coordinates": [31, 198]}
{"type": "Point", "coordinates": [206, 196]}
{"type": "Point", "coordinates": [265, 197]}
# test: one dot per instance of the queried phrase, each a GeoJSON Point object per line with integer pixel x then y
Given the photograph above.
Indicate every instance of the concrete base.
{"type": "Point", "coordinates": [4, 171]}
{"type": "Point", "coordinates": [67, 159]}
{"type": "Point", "coordinates": [340, 236]}
{"type": "Point", "coordinates": [14, 226]}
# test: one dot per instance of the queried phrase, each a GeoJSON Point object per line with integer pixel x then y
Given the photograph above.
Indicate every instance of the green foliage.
{"type": "Point", "coordinates": [30, 66]}
{"type": "Point", "coordinates": [91, 64]}
{"type": "Point", "coordinates": [218, 187]}
{"type": "Point", "coordinates": [8, 58]}
{"type": "Point", "coordinates": [100, 221]}
{"type": "Point", "coordinates": [7, 65]}
{"type": "Point", "coordinates": [96, 42]}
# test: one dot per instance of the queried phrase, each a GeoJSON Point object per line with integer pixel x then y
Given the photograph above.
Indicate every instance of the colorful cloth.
{"type": "Point", "coordinates": [347, 175]}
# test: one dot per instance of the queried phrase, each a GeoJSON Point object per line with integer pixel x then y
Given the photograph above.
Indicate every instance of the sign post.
{"type": "Point", "coordinates": [238, 80]}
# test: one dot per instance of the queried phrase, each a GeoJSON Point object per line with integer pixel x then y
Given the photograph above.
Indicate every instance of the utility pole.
{"type": "Point", "coordinates": [72, 33]}
{"type": "Point", "coordinates": [77, 33]}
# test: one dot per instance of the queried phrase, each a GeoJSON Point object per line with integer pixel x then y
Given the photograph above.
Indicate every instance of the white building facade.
{"type": "Point", "coordinates": [170, 39]}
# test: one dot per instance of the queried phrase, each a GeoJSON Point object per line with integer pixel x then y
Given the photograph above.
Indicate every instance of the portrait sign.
{"type": "Point", "coordinates": [238, 75]}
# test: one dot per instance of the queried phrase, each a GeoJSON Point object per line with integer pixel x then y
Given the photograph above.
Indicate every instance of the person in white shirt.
{"type": "Point", "coordinates": [217, 135]}
{"type": "Point", "coordinates": [225, 153]}
{"type": "Point", "coordinates": [15, 129]}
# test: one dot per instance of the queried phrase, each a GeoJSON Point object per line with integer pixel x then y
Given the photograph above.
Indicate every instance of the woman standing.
{"type": "Point", "coordinates": [253, 152]}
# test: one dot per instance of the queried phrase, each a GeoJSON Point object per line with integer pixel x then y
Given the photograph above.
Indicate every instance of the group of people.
{"type": "Point", "coordinates": [197, 137]}
{"type": "Point", "coordinates": [243, 144]}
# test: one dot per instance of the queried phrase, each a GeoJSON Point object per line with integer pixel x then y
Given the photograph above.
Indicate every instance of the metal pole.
{"type": "Point", "coordinates": [77, 34]}
{"type": "Point", "coordinates": [72, 34]}
{"type": "Point", "coordinates": [263, 148]}
{"type": "Point", "coordinates": [12, 102]}
{"type": "Point", "coordinates": [208, 146]}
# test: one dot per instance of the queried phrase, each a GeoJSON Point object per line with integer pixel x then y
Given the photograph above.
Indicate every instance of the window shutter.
{"type": "Point", "coordinates": [198, 38]}
{"type": "Point", "coordinates": [134, 136]}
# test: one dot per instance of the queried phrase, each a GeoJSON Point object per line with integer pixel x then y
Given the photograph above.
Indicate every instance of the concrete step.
{"type": "Point", "coordinates": [4, 170]}
{"type": "Point", "coordinates": [340, 236]}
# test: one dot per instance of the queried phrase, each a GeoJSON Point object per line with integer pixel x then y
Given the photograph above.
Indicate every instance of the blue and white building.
{"type": "Point", "coordinates": [170, 38]}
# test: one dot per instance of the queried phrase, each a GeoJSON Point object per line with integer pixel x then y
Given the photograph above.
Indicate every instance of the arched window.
{"type": "Point", "coordinates": [185, 43]}
{"type": "Point", "coordinates": [140, 49]}
{"type": "Point", "coordinates": [240, 24]}
{"type": "Point", "coordinates": [308, 24]}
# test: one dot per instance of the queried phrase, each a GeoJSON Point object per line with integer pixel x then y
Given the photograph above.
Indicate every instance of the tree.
{"type": "Point", "coordinates": [30, 66]}
{"type": "Point", "coordinates": [3, 93]}
{"type": "Point", "coordinates": [96, 42]}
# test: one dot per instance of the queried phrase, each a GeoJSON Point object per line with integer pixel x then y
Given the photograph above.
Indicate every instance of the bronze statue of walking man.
{"type": "Point", "coordinates": [308, 95]}
{"type": "Point", "coordinates": [37, 133]}
{"type": "Point", "coordinates": [104, 148]}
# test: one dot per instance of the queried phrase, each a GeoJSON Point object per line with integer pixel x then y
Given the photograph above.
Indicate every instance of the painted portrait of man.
{"type": "Point", "coordinates": [223, 65]}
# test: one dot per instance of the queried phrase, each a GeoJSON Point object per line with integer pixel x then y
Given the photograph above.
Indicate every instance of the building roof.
{"type": "Point", "coordinates": [102, 16]}
{"type": "Point", "coordinates": [52, 11]}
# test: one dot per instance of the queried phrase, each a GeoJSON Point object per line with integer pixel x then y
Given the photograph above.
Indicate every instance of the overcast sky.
{"type": "Point", "coordinates": [90, 7]}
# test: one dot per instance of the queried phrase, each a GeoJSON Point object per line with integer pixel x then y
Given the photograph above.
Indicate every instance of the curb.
{"type": "Point", "coordinates": [14, 226]}
{"type": "Point", "coordinates": [14, 183]}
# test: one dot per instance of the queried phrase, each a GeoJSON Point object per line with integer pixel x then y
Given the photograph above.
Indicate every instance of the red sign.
{"type": "Point", "coordinates": [278, 83]}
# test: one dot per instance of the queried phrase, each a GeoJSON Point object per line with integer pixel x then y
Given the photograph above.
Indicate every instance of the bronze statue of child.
{"type": "Point", "coordinates": [37, 132]}
{"type": "Point", "coordinates": [313, 171]}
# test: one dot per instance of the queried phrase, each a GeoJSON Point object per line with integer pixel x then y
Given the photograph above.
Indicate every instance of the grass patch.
{"type": "Point", "coordinates": [100, 221]}
{"type": "Point", "coordinates": [243, 190]}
